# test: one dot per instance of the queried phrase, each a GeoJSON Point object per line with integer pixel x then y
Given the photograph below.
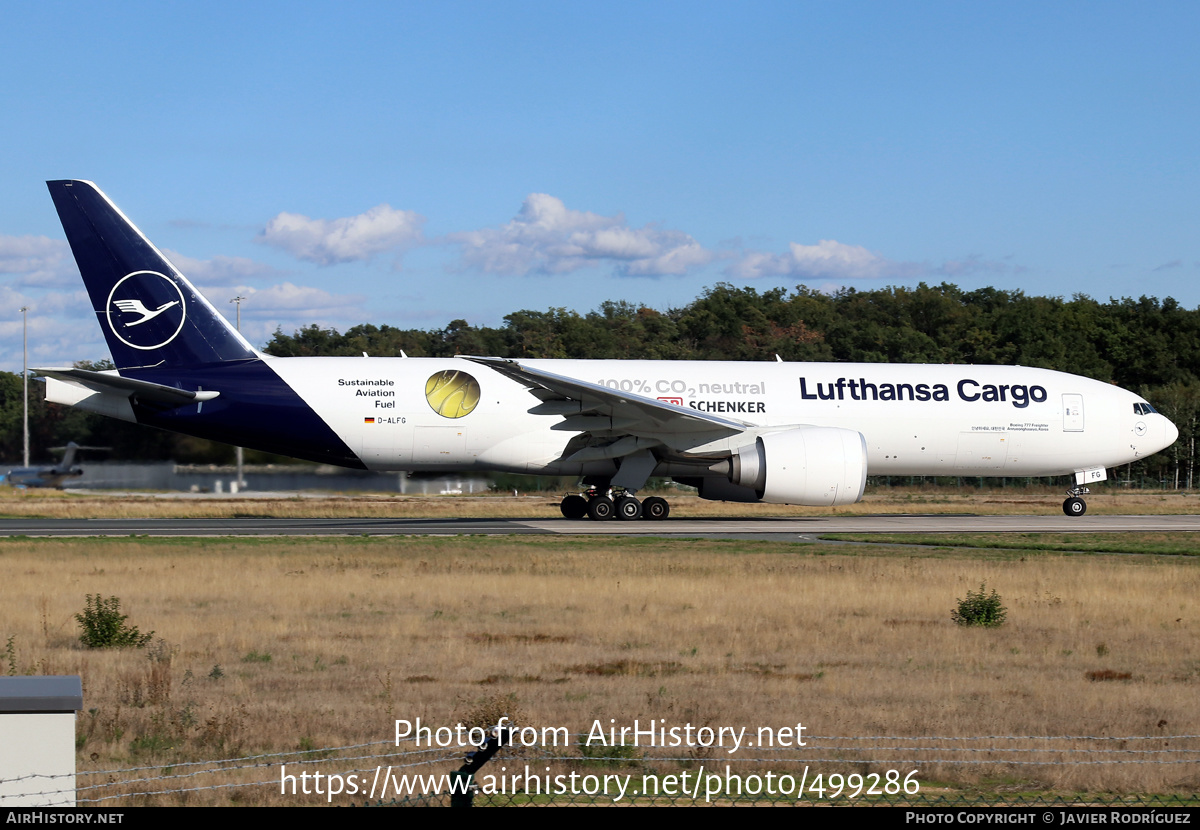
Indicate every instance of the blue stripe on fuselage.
{"type": "Point", "coordinates": [255, 409]}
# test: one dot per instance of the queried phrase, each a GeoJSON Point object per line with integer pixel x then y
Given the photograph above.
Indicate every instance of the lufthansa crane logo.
{"type": "Point", "coordinates": [452, 394]}
{"type": "Point", "coordinates": [146, 310]}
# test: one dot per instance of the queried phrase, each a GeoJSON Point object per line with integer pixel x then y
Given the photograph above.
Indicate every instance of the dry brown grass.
{"type": "Point", "coordinates": [302, 644]}
{"type": "Point", "coordinates": [1004, 501]}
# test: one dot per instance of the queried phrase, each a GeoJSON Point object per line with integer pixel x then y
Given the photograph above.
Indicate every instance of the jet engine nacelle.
{"type": "Point", "coordinates": [806, 465]}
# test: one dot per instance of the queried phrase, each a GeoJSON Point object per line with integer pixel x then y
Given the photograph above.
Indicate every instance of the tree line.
{"type": "Point", "coordinates": [1147, 345]}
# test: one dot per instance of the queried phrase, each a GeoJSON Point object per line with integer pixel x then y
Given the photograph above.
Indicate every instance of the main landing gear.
{"type": "Point", "coordinates": [601, 506]}
{"type": "Point", "coordinates": [1074, 505]}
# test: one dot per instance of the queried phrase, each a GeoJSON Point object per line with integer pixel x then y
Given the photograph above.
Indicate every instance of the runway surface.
{"type": "Point", "coordinates": [794, 529]}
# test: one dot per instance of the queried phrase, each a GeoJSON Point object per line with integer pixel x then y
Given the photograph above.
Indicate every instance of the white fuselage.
{"type": "Point", "coordinates": [916, 419]}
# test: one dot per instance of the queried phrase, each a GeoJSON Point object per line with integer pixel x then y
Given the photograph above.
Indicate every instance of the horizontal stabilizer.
{"type": "Point", "coordinates": [113, 384]}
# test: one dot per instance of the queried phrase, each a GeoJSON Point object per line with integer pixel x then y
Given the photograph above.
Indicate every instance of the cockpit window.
{"type": "Point", "coordinates": [1143, 409]}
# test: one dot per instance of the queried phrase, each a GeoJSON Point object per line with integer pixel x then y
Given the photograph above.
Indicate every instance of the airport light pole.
{"type": "Point", "coordinates": [25, 375]}
{"type": "Point", "coordinates": [237, 301]}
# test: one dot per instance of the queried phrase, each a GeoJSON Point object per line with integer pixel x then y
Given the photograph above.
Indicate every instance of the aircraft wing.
{"type": "Point", "coordinates": [631, 414]}
{"type": "Point", "coordinates": [113, 384]}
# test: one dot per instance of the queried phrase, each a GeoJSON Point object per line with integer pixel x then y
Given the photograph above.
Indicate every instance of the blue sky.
{"type": "Point", "coordinates": [411, 164]}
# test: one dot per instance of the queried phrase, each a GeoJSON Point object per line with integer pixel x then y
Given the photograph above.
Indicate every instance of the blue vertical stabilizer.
{"type": "Point", "coordinates": [149, 313]}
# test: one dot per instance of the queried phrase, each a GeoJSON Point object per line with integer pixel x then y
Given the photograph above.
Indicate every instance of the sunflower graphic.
{"type": "Point", "coordinates": [452, 394]}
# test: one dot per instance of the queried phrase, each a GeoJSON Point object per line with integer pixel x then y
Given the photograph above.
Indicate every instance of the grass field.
{"type": "Point", "coordinates": [300, 644]}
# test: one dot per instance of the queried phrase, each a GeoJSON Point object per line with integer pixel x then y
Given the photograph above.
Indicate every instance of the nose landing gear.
{"type": "Point", "coordinates": [1074, 505]}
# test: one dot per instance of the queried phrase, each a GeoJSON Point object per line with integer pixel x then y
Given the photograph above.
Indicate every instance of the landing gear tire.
{"type": "Point", "coordinates": [629, 509]}
{"type": "Point", "coordinates": [574, 507]}
{"type": "Point", "coordinates": [1074, 506]}
{"type": "Point", "coordinates": [655, 509]}
{"type": "Point", "coordinates": [601, 508]}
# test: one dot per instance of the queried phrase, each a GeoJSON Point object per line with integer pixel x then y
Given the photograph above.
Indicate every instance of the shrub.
{"type": "Point", "coordinates": [104, 625]}
{"type": "Point", "coordinates": [980, 608]}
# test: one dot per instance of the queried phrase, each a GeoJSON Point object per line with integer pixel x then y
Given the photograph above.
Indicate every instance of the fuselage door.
{"type": "Point", "coordinates": [981, 451]}
{"type": "Point", "coordinates": [1072, 413]}
{"type": "Point", "coordinates": [439, 445]}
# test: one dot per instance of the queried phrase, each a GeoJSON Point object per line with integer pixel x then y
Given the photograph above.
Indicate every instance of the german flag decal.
{"type": "Point", "coordinates": [368, 420]}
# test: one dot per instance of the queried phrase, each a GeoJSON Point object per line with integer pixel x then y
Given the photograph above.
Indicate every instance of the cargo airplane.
{"type": "Point", "coordinates": [54, 476]}
{"type": "Point", "coordinates": [776, 432]}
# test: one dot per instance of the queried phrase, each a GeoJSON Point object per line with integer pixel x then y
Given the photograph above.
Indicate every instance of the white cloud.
{"type": "Point", "coordinates": [289, 307]}
{"type": "Point", "coordinates": [44, 304]}
{"type": "Point", "coordinates": [52, 342]}
{"type": "Point", "coordinates": [61, 327]}
{"type": "Point", "coordinates": [832, 260]}
{"type": "Point", "coordinates": [828, 259]}
{"type": "Point", "coordinates": [329, 241]}
{"type": "Point", "coordinates": [297, 298]}
{"type": "Point", "coordinates": [39, 260]}
{"type": "Point", "coordinates": [220, 270]}
{"type": "Point", "coordinates": [547, 237]}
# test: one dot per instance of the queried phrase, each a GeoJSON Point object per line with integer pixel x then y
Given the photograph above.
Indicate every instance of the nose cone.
{"type": "Point", "coordinates": [1170, 433]}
